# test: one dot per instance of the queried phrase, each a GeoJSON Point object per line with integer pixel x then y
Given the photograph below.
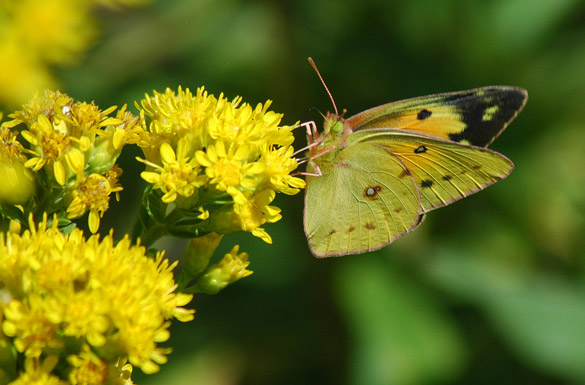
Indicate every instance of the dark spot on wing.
{"type": "Point", "coordinates": [371, 192]}
{"type": "Point", "coordinates": [420, 150]}
{"type": "Point", "coordinates": [370, 226]}
{"type": "Point", "coordinates": [351, 228]}
{"type": "Point", "coordinates": [423, 114]}
{"type": "Point", "coordinates": [426, 183]}
{"type": "Point", "coordinates": [399, 209]}
{"type": "Point", "coordinates": [332, 232]}
{"type": "Point", "coordinates": [447, 177]}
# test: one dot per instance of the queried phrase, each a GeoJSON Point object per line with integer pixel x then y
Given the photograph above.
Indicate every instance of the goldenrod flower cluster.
{"type": "Point", "coordinates": [36, 35]}
{"type": "Point", "coordinates": [85, 311]}
{"type": "Point", "coordinates": [71, 149]}
{"type": "Point", "coordinates": [88, 303]}
{"type": "Point", "coordinates": [204, 151]}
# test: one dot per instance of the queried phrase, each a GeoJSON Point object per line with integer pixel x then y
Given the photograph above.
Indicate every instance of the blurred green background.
{"type": "Point", "coordinates": [488, 290]}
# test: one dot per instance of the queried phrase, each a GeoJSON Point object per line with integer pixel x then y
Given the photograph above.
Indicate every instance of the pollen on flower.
{"type": "Point", "coordinates": [100, 293]}
{"type": "Point", "coordinates": [92, 193]}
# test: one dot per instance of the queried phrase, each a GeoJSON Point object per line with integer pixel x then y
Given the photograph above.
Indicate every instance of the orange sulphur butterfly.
{"type": "Point", "coordinates": [371, 178]}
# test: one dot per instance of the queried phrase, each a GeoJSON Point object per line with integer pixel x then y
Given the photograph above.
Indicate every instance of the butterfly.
{"type": "Point", "coordinates": [371, 178]}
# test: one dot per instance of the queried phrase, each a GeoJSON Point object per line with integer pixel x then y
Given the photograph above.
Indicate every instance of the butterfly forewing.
{"type": "Point", "coordinates": [363, 201]}
{"type": "Point", "coordinates": [475, 117]}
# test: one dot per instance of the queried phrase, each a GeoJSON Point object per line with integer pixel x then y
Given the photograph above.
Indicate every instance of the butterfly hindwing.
{"type": "Point", "coordinates": [443, 171]}
{"type": "Point", "coordinates": [364, 200]}
{"type": "Point", "coordinates": [474, 117]}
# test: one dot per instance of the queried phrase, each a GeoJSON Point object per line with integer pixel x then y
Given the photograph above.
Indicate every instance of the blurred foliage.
{"type": "Point", "coordinates": [488, 290]}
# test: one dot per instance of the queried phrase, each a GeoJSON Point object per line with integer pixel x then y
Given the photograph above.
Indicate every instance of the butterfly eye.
{"type": "Point", "coordinates": [337, 127]}
{"type": "Point", "coordinates": [372, 191]}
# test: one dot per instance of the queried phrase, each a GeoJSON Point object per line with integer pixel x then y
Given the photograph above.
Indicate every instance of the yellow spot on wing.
{"type": "Point", "coordinates": [489, 113]}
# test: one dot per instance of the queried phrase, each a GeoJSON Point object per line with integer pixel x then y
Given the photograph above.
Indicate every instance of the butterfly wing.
{"type": "Point", "coordinates": [363, 201]}
{"type": "Point", "coordinates": [474, 117]}
{"type": "Point", "coordinates": [380, 185]}
{"type": "Point", "coordinates": [444, 171]}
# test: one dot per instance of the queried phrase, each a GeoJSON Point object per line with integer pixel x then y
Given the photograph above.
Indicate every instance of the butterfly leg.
{"type": "Point", "coordinates": [318, 172]}
{"type": "Point", "coordinates": [312, 136]}
{"type": "Point", "coordinates": [312, 133]}
{"type": "Point", "coordinates": [316, 155]}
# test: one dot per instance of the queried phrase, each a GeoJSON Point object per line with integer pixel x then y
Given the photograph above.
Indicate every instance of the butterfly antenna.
{"type": "Point", "coordinates": [324, 85]}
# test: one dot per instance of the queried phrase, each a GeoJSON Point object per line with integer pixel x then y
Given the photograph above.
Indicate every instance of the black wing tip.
{"type": "Point", "coordinates": [487, 111]}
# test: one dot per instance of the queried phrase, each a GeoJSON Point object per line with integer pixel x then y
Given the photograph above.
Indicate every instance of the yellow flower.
{"type": "Point", "coordinates": [33, 323]}
{"type": "Point", "coordinates": [108, 296]}
{"type": "Point", "coordinates": [88, 368]}
{"type": "Point", "coordinates": [220, 153]}
{"type": "Point", "coordinates": [128, 131]}
{"type": "Point", "coordinates": [178, 175]}
{"type": "Point", "coordinates": [36, 35]}
{"type": "Point", "coordinates": [10, 147]}
{"type": "Point", "coordinates": [22, 73]}
{"type": "Point", "coordinates": [91, 193]}
{"type": "Point", "coordinates": [57, 30]}
{"type": "Point", "coordinates": [279, 164]}
{"type": "Point", "coordinates": [55, 148]}
{"type": "Point", "coordinates": [228, 169]}
{"type": "Point", "coordinates": [38, 373]}
{"type": "Point", "coordinates": [113, 175]}
{"type": "Point", "coordinates": [173, 117]}
{"type": "Point", "coordinates": [63, 136]}
{"type": "Point", "coordinates": [66, 143]}
{"type": "Point", "coordinates": [51, 104]}
{"type": "Point", "coordinates": [254, 211]}
{"type": "Point", "coordinates": [17, 181]}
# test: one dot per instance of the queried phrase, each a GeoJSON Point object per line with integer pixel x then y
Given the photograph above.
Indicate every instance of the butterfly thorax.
{"type": "Point", "coordinates": [330, 142]}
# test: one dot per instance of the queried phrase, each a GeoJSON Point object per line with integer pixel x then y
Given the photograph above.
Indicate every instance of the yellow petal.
{"type": "Point", "coordinates": [59, 172]}
{"type": "Point", "coordinates": [93, 221]}
{"type": "Point", "coordinates": [220, 148]}
{"type": "Point", "coordinates": [118, 138]}
{"type": "Point", "coordinates": [262, 234]}
{"type": "Point", "coordinates": [75, 160]}
{"type": "Point", "coordinates": [167, 153]}
{"type": "Point", "coordinates": [203, 159]}
{"type": "Point", "coordinates": [150, 177]}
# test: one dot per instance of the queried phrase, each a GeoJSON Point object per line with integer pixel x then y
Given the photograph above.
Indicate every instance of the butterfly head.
{"type": "Point", "coordinates": [333, 124]}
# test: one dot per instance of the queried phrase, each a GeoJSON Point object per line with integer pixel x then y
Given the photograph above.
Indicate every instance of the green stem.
{"type": "Point", "coordinates": [182, 281]}
{"type": "Point", "coordinates": [158, 230]}
{"type": "Point", "coordinates": [152, 234]}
